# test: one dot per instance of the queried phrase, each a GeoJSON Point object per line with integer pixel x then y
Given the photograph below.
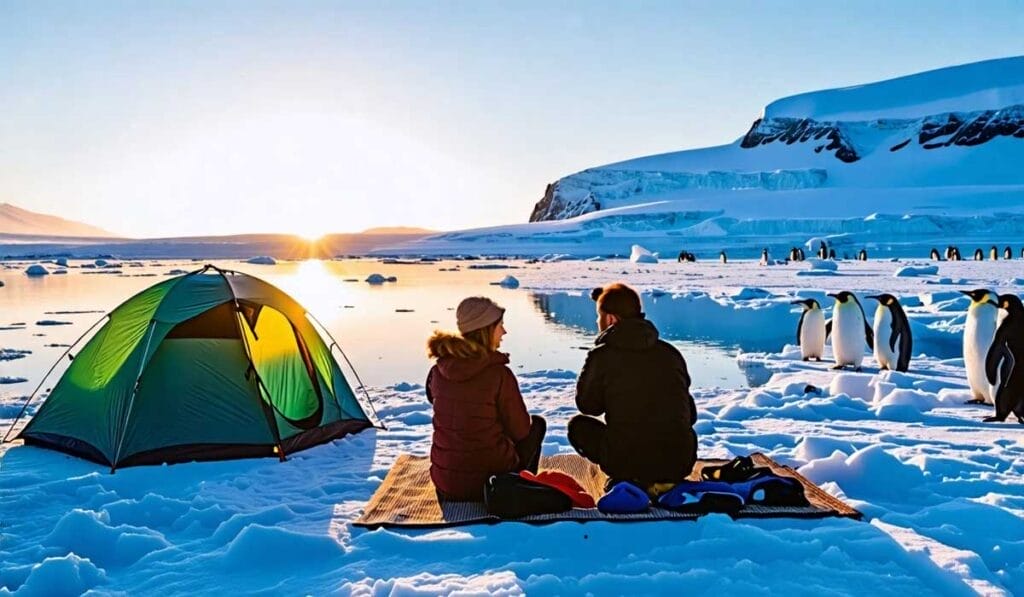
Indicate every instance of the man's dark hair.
{"type": "Point", "coordinates": [619, 300]}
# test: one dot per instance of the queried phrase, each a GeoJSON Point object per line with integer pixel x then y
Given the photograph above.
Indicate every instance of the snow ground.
{"type": "Point", "coordinates": [941, 491]}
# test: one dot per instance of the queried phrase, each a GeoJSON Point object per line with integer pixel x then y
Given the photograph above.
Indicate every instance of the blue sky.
{"type": "Point", "coordinates": [179, 118]}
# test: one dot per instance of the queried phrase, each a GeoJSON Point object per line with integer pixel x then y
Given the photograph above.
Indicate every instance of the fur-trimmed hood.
{"type": "Point", "coordinates": [459, 359]}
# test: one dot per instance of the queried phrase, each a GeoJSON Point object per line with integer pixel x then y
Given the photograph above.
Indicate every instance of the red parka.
{"type": "Point", "coordinates": [479, 415]}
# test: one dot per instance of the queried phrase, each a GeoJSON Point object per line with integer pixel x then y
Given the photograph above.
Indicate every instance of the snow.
{"type": "Point", "coordinates": [941, 490]}
{"type": "Point", "coordinates": [987, 85]}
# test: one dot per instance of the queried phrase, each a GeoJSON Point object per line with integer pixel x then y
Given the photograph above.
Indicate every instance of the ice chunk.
{"type": "Point", "coordinates": [910, 271]}
{"type": "Point", "coordinates": [262, 260]}
{"type": "Point", "coordinates": [639, 254]}
{"type": "Point", "coordinates": [36, 270]}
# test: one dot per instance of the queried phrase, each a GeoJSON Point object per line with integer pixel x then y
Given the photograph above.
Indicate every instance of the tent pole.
{"type": "Point", "coordinates": [43, 380]}
{"type": "Point", "coordinates": [131, 400]}
{"type": "Point", "coordinates": [239, 318]}
{"type": "Point", "coordinates": [362, 386]}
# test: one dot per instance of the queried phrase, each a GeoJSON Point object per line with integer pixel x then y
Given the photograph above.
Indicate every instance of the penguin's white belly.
{"type": "Point", "coordinates": [978, 334]}
{"type": "Point", "coordinates": [886, 357]}
{"type": "Point", "coordinates": [812, 335]}
{"type": "Point", "coordinates": [848, 338]}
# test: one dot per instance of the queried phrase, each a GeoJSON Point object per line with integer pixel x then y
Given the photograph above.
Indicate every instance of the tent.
{"type": "Point", "coordinates": [210, 365]}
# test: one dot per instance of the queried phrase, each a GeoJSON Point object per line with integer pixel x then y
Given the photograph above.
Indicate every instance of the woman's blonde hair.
{"type": "Point", "coordinates": [471, 345]}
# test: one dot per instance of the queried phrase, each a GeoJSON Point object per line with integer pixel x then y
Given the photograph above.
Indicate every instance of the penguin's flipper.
{"type": "Point", "coordinates": [828, 328]}
{"type": "Point", "coordinates": [906, 343]}
{"type": "Point", "coordinates": [996, 353]}
{"type": "Point", "coordinates": [869, 334]}
{"type": "Point", "coordinates": [1005, 396]}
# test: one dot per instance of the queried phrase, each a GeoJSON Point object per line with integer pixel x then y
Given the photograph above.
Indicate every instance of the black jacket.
{"type": "Point", "coordinates": [641, 386]}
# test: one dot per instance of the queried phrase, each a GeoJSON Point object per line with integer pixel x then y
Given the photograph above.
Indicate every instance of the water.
{"type": "Point", "coordinates": [383, 329]}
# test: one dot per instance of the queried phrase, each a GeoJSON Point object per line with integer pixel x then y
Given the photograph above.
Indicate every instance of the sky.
{"type": "Point", "coordinates": [157, 119]}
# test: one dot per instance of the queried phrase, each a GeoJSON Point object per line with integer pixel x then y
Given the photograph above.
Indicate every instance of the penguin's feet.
{"type": "Point", "coordinates": [975, 401]}
{"type": "Point", "coordinates": [993, 419]}
{"type": "Point", "coordinates": [805, 359]}
{"type": "Point", "coordinates": [834, 367]}
{"type": "Point", "coordinates": [818, 359]}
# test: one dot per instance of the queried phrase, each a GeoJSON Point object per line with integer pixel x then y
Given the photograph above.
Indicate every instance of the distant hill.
{"type": "Point", "coordinates": [15, 220]}
{"type": "Point", "coordinates": [398, 230]}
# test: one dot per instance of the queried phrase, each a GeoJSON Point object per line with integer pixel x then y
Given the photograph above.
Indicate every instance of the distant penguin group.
{"type": "Point", "coordinates": [796, 254]}
{"type": "Point", "coordinates": [686, 256]}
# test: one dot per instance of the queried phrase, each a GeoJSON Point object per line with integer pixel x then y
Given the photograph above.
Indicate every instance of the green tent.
{"type": "Point", "coordinates": [210, 365]}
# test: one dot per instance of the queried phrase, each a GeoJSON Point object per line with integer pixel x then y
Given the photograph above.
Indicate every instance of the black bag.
{"type": "Point", "coordinates": [510, 496]}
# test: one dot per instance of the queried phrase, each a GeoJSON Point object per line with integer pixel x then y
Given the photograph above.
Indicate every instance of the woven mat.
{"type": "Point", "coordinates": [407, 498]}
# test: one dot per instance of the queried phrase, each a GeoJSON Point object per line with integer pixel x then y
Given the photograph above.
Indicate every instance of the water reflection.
{"type": "Point", "coordinates": [383, 329]}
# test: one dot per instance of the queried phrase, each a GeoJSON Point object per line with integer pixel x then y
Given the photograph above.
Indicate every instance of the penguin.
{"type": "Point", "coordinates": [1000, 364]}
{"type": "Point", "coordinates": [832, 254]}
{"type": "Point", "coordinates": [764, 256]}
{"type": "Point", "coordinates": [863, 255]}
{"type": "Point", "coordinates": [682, 256]}
{"type": "Point", "coordinates": [803, 256]}
{"type": "Point", "coordinates": [822, 251]}
{"type": "Point", "coordinates": [893, 341]}
{"type": "Point", "coordinates": [1007, 252]}
{"type": "Point", "coordinates": [935, 254]}
{"type": "Point", "coordinates": [993, 253]}
{"type": "Point", "coordinates": [793, 255]}
{"type": "Point", "coordinates": [956, 254]}
{"type": "Point", "coordinates": [850, 331]}
{"type": "Point", "coordinates": [1022, 253]}
{"type": "Point", "coordinates": [979, 330]}
{"type": "Point", "coordinates": [949, 252]}
{"type": "Point", "coordinates": [810, 332]}
{"type": "Point", "coordinates": [979, 255]}
{"type": "Point", "coordinates": [723, 257]}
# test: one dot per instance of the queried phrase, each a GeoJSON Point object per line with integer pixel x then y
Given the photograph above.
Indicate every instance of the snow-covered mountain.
{"type": "Point", "coordinates": [923, 160]}
{"type": "Point", "coordinates": [15, 220]}
{"type": "Point", "coordinates": [954, 127]}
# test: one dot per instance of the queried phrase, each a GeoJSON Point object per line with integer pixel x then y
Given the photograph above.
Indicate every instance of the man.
{"type": "Point", "coordinates": [641, 386]}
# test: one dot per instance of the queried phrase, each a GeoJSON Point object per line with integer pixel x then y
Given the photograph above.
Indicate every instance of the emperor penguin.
{"type": "Point", "coordinates": [979, 255]}
{"type": "Point", "coordinates": [850, 331]}
{"type": "Point", "coordinates": [723, 257]}
{"type": "Point", "coordinates": [893, 341]}
{"type": "Point", "coordinates": [810, 332]}
{"type": "Point", "coordinates": [1007, 252]}
{"type": "Point", "coordinates": [979, 331]}
{"type": "Point", "coordinates": [822, 251]}
{"type": "Point", "coordinates": [956, 254]}
{"type": "Point", "coordinates": [1022, 252]}
{"type": "Point", "coordinates": [935, 254]}
{"type": "Point", "coordinates": [1000, 364]}
{"type": "Point", "coordinates": [803, 256]}
{"type": "Point", "coordinates": [764, 256]}
{"type": "Point", "coordinates": [993, 253]}
{"type": "Point", "coordinates": [832, 254]}
{"type": "Point", "coordinates": [863, 255]}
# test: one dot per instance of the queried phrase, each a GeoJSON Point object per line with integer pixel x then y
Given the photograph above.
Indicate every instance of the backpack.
{"type": "Point", "coordinates": [509, 495]}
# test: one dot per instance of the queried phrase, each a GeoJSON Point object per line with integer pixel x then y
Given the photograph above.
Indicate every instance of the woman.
{"type": "Point", "coordinates": [481, 427]}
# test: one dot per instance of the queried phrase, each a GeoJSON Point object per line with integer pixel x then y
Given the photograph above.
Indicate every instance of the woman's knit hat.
{"type": "Point", "coordinates": [477, 312]}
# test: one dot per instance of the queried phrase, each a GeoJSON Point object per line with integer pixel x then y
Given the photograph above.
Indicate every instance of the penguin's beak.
{"type": "Point", "coordinates": [966, 293]}
{"type": "Point", "coordinates": [833, 295]}
{"type": "Point", "coordinates": [874, 296]}
{"type": "Point", "coordinates": [796, 302]}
